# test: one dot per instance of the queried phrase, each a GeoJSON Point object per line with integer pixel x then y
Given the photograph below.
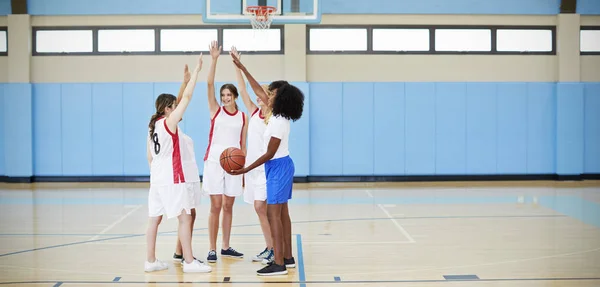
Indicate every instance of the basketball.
{"type": "Point", "coordinates": [232, 159]}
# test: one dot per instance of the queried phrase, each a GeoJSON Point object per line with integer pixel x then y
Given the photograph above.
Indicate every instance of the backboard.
{"type": "Point", "coordinates": [288, 11]}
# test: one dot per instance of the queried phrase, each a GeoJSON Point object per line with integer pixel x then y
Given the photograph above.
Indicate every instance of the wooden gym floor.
{"type": "Point", "coordinates": [513, 234]}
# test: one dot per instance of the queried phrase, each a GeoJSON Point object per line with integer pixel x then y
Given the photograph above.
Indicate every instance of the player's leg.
{"type": "Point", "coordinates": [261, 210]}
{"type": "Point", "coordinates": [151, 234]}
{"type": "Point", "coordinates": [214, 185]}
{"type": "Point", "coordinates": [233, 188]}
{"type": "Point", "coordinates": [286, 222]}
{"type": "Point", "coordinates": [178, 256]}
{"type": "Point", "coordinates": [185, 235]}
{"type": "Point", "coordinates": [227, 219]}
{"type": "Point", "coordinates": [255, 193]}
{"type": "Point", "coordinates": [274, 215]}
{"type": "Point", "coordinates": [216, 203]}
{"type": "Point", "coordinates": [155, 213]}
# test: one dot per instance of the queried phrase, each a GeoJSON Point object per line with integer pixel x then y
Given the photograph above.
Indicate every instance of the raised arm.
{"type": "Point", "coordinates": [253, 83]}
{"type": "Point", "coordinates": [250, 106]}
{"type": "Point", "coordinates": [177, 114]}
{"type": "Point", "coordinates": [186, 79]}
{"type": "Point", "coordinates": [213, 104]}
{"type": "Point", "coordinates": [244, 134]}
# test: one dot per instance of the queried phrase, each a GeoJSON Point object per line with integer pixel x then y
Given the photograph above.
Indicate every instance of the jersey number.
{"type": "Point", "coordinates": [156, 143]}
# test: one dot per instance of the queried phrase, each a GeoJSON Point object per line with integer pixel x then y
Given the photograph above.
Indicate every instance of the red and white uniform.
{"type": "Point", "coordinates": [174, 178]}
{"type": "Point", "coordinates": [256, 181]}
{"type": "Point", "coordinates": [225, 131]}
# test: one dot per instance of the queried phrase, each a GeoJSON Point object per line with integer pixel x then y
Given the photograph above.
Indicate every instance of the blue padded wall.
{"type": "Point", "coordinates": [346, 129]}
{"type": "Point", "coordinates": [451, 128]}
{"type": "Point", "coordinates": [17, 110]}
{"type": "Point", "coordinates": [326, 129]}
{"type": "Point", "coordinates": [541, 128]}
{"type": "Point", "coordinates": [481, 128]}
{"type": "Point", "coordinates": [569, 128]}
{"type": "Point", "coordinates": [300, 135]}
{"type": "Point", "coordinates": [2, 150]}
{"type": "Point", "coordinates": [47, 129]}
{"type": "Point", "coordinates": [592, 128]}
{"type": "Point", "coordinates": [512, 128]}
{"type": "Point", "coordinates": [419, 133]}
{"type": "Point", "coordinates": [357, 128]}
{"type": "Point", "coordinates": [388, 128]}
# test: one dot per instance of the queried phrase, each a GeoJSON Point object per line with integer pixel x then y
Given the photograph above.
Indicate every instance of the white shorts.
{"type": "Point", "coordinates": [170, 200]}
{"type": "Point", "coordinates": [216, 181]}
{"type": "Point", "coordinates": [255, 186]}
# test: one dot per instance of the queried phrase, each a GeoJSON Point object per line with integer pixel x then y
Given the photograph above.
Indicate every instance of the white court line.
{"type": "Point", "coordinates": [402, 230]}
{"type": "Point", "coordinates": [369, 193]}
{"type": "Point", "coordinates": [116, 222]}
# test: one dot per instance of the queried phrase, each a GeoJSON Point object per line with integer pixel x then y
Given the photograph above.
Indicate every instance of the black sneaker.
{"type": "Point", "coordinates": [272, 269]}
{"type": "Point", "coordinates": [289, 263]}
{"type": "Point", "coordinates": [177, 257]}
{"type": "Point", "coordinates": [212, 256]}
{"type": "Point", "coordinates": [231, 253]}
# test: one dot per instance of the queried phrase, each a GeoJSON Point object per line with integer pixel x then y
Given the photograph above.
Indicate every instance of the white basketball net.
{"type": "Point", "coordinates": [261, 17]}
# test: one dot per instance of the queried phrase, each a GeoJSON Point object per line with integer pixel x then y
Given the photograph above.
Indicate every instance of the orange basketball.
{"type": "Point", "coordinates": [232, 159]}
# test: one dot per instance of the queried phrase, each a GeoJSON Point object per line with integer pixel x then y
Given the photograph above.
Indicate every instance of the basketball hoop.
{"type": "Point", "coordinates": [261, 17]}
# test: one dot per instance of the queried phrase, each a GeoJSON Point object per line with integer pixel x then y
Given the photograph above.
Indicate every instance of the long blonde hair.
{"type": "Point", "coordinates": [268, 110]}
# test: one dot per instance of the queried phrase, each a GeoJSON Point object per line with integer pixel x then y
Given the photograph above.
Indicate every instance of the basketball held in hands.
{"type": "Point", "coordinates": [232, 159]}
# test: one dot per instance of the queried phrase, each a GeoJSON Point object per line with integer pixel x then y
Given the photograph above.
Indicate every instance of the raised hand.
{"type": "Point", "coordinates": [235, 55]}
{"type": "Point", "coordinates": [198, 66]}
{"type": "Point", "coordinates": [215, 49]}
{"type": "Point", "coordinates": [186, 74]}
{"type": "Point", "coordinates": [236, 59]}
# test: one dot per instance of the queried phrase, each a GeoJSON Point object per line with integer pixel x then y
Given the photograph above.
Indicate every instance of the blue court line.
{"type": "Point", "coordinates": [173, 233]}
{"type": "Point", "coordinates": [312, 282]}
{"type": "Point", "coordinates": [337, 278]}
{"type": "Point", "coordinates": [117, 279]}
{"type": "Point", "coordinates": [55, 285]}
{"type": "Point", "coordinates": [461, 277]}
{"type": "Point", "coordinates": [301, 274]}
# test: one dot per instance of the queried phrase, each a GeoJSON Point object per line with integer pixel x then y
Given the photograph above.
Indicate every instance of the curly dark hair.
{"type": "Point", "coordinates": [288, 102]}
{"type": "Point", "coordinates": [277, 84]}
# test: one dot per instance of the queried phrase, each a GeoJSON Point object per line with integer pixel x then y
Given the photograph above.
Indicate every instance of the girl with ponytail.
{"type": "Point", "coordinates": [174, 177]}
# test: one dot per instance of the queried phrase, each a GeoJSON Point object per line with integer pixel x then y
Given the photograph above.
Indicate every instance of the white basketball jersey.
{"type": "Point", "coordinates": [256, 131]}
{"type": "Point", "coordinates": [188, 159]}
{"type": "Point", "coordinates": [165, 146]}
{"type": "Point", "coordinates": [225, 132]}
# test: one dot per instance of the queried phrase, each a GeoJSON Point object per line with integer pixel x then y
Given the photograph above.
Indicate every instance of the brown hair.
{"type": "Point", "coordinates": [232, 89]}
{"type": "Point", "coordinates": [162, 102]}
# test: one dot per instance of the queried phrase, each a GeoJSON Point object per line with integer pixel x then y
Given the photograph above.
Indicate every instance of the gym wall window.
{"type": "Point", "coordinates": [589, 40]}
{"type": "Point", "coordinates": [3, 41]}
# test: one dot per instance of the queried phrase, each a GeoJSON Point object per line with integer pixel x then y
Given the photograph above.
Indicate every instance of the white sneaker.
{"type": "Point", "coordinates": [196, 267]}
{"type": "Point", "coordinates": [157, 265]}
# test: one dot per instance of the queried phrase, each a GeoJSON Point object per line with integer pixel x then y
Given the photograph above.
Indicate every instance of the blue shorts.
{"type": "Point", "coordinates": [280, 178]}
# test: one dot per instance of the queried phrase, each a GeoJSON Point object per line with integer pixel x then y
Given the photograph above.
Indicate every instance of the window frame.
{"type": "Point", "coordinates": [157, 39]}
{"type": "Point", "coordinates": [432, 29]}
{"type": "Point", "coordinates": [5, 29]}
{"type": "Point", "coordinates": [247, 27]}
{"type": "Point", "coordinates": [583, 28]}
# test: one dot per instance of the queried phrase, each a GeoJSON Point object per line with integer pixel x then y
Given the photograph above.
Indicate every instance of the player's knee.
{"type": "Point", "coordinates": [215, 209]}
{"type": "Point", "coordinates": [228, 207]}
{"type": "Point", "coordinates": [261, 208]}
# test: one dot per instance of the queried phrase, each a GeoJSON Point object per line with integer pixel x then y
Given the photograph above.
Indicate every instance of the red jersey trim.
{"type": "Point", "coordinates": [242, 132]}
{"type": "Point", "coordinates": [210, 134]}
{"type": "Point", "coordinates": [178, 176]}
{"type": "Point", "coordinates": [231, 114]}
